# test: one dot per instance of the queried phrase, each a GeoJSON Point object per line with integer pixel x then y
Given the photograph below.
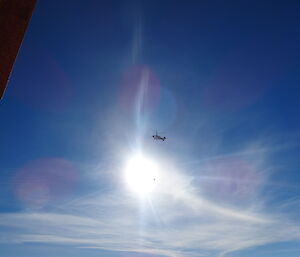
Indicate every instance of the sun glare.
{"type": "Point", "coordinates": [141, 175]}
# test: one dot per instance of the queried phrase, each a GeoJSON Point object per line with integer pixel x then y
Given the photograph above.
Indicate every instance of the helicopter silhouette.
{"type": "Point", "coordinates": [158, 137]}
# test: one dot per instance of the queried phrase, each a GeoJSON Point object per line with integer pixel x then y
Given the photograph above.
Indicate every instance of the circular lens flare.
{"type": "Point", "coordinates": [141, 175]}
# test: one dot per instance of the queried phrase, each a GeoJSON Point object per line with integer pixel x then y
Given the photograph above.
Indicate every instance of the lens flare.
{"type": "Point", "coordinates": [43, 181]}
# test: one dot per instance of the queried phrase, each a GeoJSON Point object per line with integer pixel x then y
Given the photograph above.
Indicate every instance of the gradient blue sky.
{"type": "Point", "coordinates": [92, 83]}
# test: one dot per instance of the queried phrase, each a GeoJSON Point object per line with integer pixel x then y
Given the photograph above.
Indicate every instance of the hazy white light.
{"type": "Point", "coordinates": [141, 175]}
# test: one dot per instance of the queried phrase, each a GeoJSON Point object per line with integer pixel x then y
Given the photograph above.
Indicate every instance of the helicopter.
{"type": "Point", "coordinates": [157, 137]}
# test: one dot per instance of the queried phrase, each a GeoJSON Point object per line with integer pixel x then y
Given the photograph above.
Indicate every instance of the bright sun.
{"type": "Point", "coordinates": [141, 175]}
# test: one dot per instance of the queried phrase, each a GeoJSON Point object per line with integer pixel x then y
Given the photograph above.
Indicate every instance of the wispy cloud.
{"type": "Point", "coordinates": [176, 221]}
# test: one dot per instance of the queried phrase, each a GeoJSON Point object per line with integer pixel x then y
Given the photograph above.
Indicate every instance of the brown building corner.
{"type": "Point", "coordinates": [14, 18]}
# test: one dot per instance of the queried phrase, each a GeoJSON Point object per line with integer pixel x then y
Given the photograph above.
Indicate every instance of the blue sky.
{"type": "Point", "coordinates": [93, 82]}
